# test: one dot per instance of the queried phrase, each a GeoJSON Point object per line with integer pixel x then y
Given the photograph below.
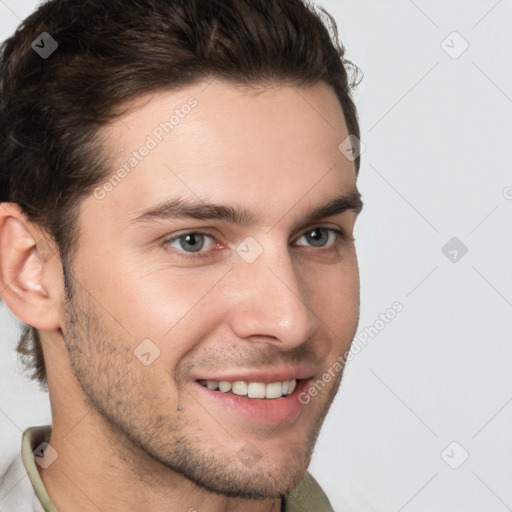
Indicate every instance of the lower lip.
{"type": "Point", "coordinates": [259, 410]}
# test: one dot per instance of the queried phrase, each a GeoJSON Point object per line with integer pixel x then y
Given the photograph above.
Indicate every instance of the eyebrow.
{"type": "Point", "coordinates": [178, 208]}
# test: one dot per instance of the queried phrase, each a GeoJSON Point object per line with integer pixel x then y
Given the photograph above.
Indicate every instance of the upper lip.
{"type": "Point", "coordinates": [275, 374]}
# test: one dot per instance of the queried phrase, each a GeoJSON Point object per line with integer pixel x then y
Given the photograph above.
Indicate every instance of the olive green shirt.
{"type": "Point", "coordinates": [19, 494]}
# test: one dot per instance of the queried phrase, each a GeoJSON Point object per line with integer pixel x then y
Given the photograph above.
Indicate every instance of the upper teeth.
{"type": "Point", "coordinates": [253, 389]}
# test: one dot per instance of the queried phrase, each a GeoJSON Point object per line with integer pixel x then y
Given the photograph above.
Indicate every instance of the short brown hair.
{"type": "Point", "coordinates": [111, 51]}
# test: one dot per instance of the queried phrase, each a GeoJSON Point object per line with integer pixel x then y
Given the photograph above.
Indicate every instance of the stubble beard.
{"type": "Point", "coordinates": [115, 385]}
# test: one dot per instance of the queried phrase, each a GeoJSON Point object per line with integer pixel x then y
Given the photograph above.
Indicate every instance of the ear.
{"type": "Point", "coordinates": [30, 270]}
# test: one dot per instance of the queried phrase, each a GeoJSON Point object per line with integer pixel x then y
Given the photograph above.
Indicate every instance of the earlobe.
{"type": "Point", "coordinates": [24, 259]}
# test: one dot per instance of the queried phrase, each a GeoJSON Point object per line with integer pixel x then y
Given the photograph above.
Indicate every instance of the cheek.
{"type": "Point", "coordinates": [177, 309]}
{"type": "Point", "coordinates": [335, 299]}
{"type": "Point", "coordinates": [147, 295]}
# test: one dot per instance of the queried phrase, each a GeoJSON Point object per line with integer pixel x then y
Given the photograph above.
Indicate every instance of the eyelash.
{"type": "Point", "coordinates": [340, 235]}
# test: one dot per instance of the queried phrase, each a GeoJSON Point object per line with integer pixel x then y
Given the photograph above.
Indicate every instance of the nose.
{"type": "Point", "coordinates": [271, 301]}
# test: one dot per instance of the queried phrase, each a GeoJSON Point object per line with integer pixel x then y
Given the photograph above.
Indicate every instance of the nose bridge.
{"type": "Point", "coordinates": [272, 299]}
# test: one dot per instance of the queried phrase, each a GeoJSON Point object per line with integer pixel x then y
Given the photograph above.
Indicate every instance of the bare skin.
{"type": "Point", "coordinates": [132, 436]}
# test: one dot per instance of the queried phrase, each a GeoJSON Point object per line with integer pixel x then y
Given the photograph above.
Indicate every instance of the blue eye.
{"type": "Point", "coordinates": [321, 235]}
{"type": "Point", "coordinates": [191, 244]}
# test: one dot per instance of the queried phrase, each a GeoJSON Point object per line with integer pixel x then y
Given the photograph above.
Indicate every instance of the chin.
{"type": "Point", "coordinates": [254, 485]}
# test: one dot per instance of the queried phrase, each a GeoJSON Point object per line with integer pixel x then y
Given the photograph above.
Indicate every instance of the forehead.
{"type": "Point", "coordinates": [266, 148]}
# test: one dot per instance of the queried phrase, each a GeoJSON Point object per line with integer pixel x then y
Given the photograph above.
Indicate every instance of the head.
{"type": "Point", "coordinates": [144, 108]}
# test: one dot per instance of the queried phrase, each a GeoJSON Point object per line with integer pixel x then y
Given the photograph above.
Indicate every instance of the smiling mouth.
{"type": "Point", "coordinates": [259, 390]}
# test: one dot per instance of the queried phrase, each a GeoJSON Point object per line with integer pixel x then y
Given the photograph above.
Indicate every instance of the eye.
{"type": "Point", "coordinates": [195, 244]}
{"type": "Point", "coordinates": [319, 236]}
{"type": "Point", "coordinates": [191, 242]}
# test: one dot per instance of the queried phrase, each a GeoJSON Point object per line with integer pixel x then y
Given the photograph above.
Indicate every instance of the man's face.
{"type": "Point", "coordinates": [264, 301]}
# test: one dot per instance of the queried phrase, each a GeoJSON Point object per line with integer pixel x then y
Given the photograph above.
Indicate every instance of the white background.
{"type": "Point", "coordinates": [437, 164]}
